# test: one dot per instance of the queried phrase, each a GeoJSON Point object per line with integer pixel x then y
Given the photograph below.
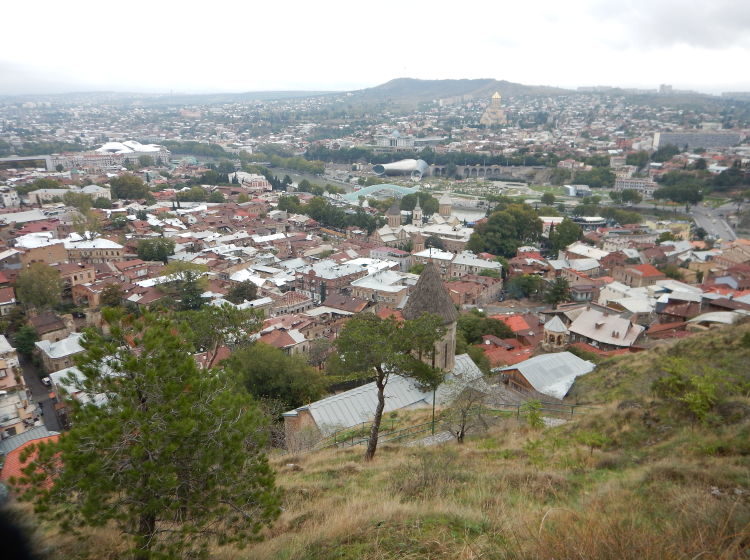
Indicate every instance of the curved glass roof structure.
{"type": "Point", "coordinates": [372, 190]}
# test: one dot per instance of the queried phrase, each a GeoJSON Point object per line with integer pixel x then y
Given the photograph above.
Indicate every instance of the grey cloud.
{"type": "Point", "coordinates": [712, 24]}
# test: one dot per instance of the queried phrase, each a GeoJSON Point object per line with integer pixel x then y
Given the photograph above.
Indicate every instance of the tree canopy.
{"type": "Point", "coordinates": [506, 230]}
{"type": "Point", "coordinates": [474, 325]}
{"type": "Point", "coordinates": [557, 292]}
{"type": "Point", "coordinates": [268, 373]}
{"type": "Point", "coordinates": [39, 286]}
{"type": "Point", "coordinates": [380, 347]}
{"type": "Point", "coordinates": [241, 292]}
{"type": "Point", "coordinates": [427, 202]}
{"type": "Point", "coordinates": [564, 234]}
{"type": "Point", "coordinates": [155, 249]}
{"type": "Point", "coordinates": [128, 187]}
{"type": "Point", "coordinates": [170, 456]}
{"type": "Point", "coordinates": [186, 286]}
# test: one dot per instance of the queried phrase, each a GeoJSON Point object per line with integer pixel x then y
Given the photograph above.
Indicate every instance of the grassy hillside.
{"type": "Point", "coordinates": [410, 90]}
{"type": "Point", "coordinates": [639, 478]}
{"type": "Point", "coordinates": [630, 376]}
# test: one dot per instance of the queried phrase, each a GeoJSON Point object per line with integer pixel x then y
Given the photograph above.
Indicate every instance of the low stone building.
{"type": "Point", "coordinates": [59, 355]}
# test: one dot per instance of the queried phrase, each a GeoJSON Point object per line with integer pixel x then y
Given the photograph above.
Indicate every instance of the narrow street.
{"type": "Point", "coordinates": [40, 393]}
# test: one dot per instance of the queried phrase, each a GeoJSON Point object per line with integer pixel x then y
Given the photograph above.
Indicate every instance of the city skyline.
{"type": "Point", "coordinates": [153, 48]}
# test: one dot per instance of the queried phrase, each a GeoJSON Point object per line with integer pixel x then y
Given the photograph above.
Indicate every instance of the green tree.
{"type": "Point", "coordinates": [381, 347]}
{"type": "Point", "coordinates": [155, 249]}
{"type": "Point", "coordinates": [128, 187]}
{"type": "Point", "coordinates": [289, 204]}
{"type": "Point", "coordinates": [526, 285]}
{"type": "Point", "coordinates": [24, 339]}
{"type": "Point", "coordinates": [241, 292]}
{"type": "Point", "coordinates": [417, 268]}
{"type": "Point", "coordinates": [596, 178]}
{"type": "Point", "coordinates": [564, 234]}
{"type": "Point", "coordinates": [665, 153]}
{"type": "Point", "coordinates": [193, 194]}
{"type": "Point", "coordinates": [548, 199]}
{"type": "Point", "coordinates": [187, 285]}
{"type": "Point", "coordinates": [687, 194]}
{"type": "Point", "coordinates": [673, 271]}
{"type": "Point", "coordinates": [145, 161]}
{"type": "Point", "coordinates": [42, 183]}
{"type": "Point", "coordinates": [631, 196]}
{"type": "Point", "coordinates": [77, 200]}
{"type": "Point", "coordinates": [102, 202]}
{"type": "Point", "coordinates": [532, 412]}
{"type": "Point", "coordinates": [427, 202]}
{"type": "Point", "coordinates": [269, 373]}
{"type": "Point", "coordinates": [212, 327]}
{"type": "Point", "coordinates": [490, 273]}
{"type": "Point", "coordinates": [112, 295]}
{"type": "Point", "coordinates": [557, 292]}
{"type": "Point", "coordinates": [472, 326]}
{"type": "Point", "coordinates": [433, 242]}
{"type": "Point", "coordinates": [216, 197]}
{"type": "Point", "coordinates": [59, 168]}
{"type": "Point", "coordinates": [506, 230]}
{"type": "Point", "coordinates": [171, 456]}
{"type": "Point", "coordinates": [700, 164]}
{"type": "Point", "coordinates": [639, 159]}
{"type": "Point", "coordinates": [665, 236]}
{"type": "Point", "coordinates": [87, 224]}
{"type": "Point", "coordinates": [39, 286]}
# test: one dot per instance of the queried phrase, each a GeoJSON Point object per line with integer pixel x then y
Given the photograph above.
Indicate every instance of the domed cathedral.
{"type": "Point", "coordinates": [393, 216]}
{"type": "Point", "coordinates": [494, 114]}
{"type": "Point", "coordinates": [430, 296]}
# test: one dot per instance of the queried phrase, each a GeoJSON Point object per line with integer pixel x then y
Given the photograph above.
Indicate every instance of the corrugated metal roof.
{"type": "Point", "coordinates": [14, 442]}
{"type": "Point", "coordinates": [358, 405]}
{"type": "Point", "coordinates": [552, 374]}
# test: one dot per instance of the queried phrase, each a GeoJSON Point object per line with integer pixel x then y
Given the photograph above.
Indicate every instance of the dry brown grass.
{"type": "Point", "coordinates": [654, 487]}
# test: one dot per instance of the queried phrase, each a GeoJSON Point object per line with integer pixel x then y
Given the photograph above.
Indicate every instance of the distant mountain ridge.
{"type": "Point", "coordinates": [405, 90]}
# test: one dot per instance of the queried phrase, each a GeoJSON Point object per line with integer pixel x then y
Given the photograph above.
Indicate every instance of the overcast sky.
{"type": "Point", "coordinates": [219, 46]}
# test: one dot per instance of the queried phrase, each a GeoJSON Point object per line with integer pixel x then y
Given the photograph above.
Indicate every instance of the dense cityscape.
{"type": "Point", "coordinates": [232, 323]}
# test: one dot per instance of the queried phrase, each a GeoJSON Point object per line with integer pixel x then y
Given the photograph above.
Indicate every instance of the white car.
{"type": "Point", "coordinates": [47, 381]}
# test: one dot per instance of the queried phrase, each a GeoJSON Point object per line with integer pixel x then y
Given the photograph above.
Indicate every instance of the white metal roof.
{"type": "Point", "coordinates": [358, 405]}
{"type": "Point", "coordinates": [552, 374]}
{"type": "Point", "coordinates": [65, 347]}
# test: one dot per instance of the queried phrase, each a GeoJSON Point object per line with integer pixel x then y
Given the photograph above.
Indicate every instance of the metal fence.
{"type": "Point", "coordinates": [360, 434]}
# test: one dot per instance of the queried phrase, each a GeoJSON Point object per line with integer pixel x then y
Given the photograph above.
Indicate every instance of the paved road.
{"type": "Point", "coordinates": [709, 218]}
{"type": "Point", "coordinates": [40, 393]}
{"type": "Point", "coordinates": [513, 306]}
{"type": "Point", "coordinates": [713, 222]}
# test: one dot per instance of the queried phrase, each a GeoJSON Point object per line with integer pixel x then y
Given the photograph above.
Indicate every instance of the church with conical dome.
{"type": "Point", "coordinates": [430, 296]}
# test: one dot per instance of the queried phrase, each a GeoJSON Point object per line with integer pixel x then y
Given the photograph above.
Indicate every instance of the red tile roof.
{"type": "Point", "coordinates": [516, 322]}
{"type": "Point", "coordinates": [278, 338]}
{"type": "Point", "coordinates": [13, 464]}
{"type": "Point", "coordinates": [386, 312]}
{"type": "Point", "coordinates": [500, 356]}
{"type": "Point", "coordinates": [647, 270]}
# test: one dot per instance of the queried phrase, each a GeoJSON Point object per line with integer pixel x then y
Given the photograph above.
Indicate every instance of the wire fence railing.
{"type": "Point", "coordinates": [360, 434]}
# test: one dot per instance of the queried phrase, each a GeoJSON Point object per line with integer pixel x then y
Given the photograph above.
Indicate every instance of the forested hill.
{"type": "Point", "coordinates": [411, 90]}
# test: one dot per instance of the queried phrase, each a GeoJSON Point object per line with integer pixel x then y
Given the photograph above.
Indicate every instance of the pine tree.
{"type": "Point", "coordinates": [170, 455]}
